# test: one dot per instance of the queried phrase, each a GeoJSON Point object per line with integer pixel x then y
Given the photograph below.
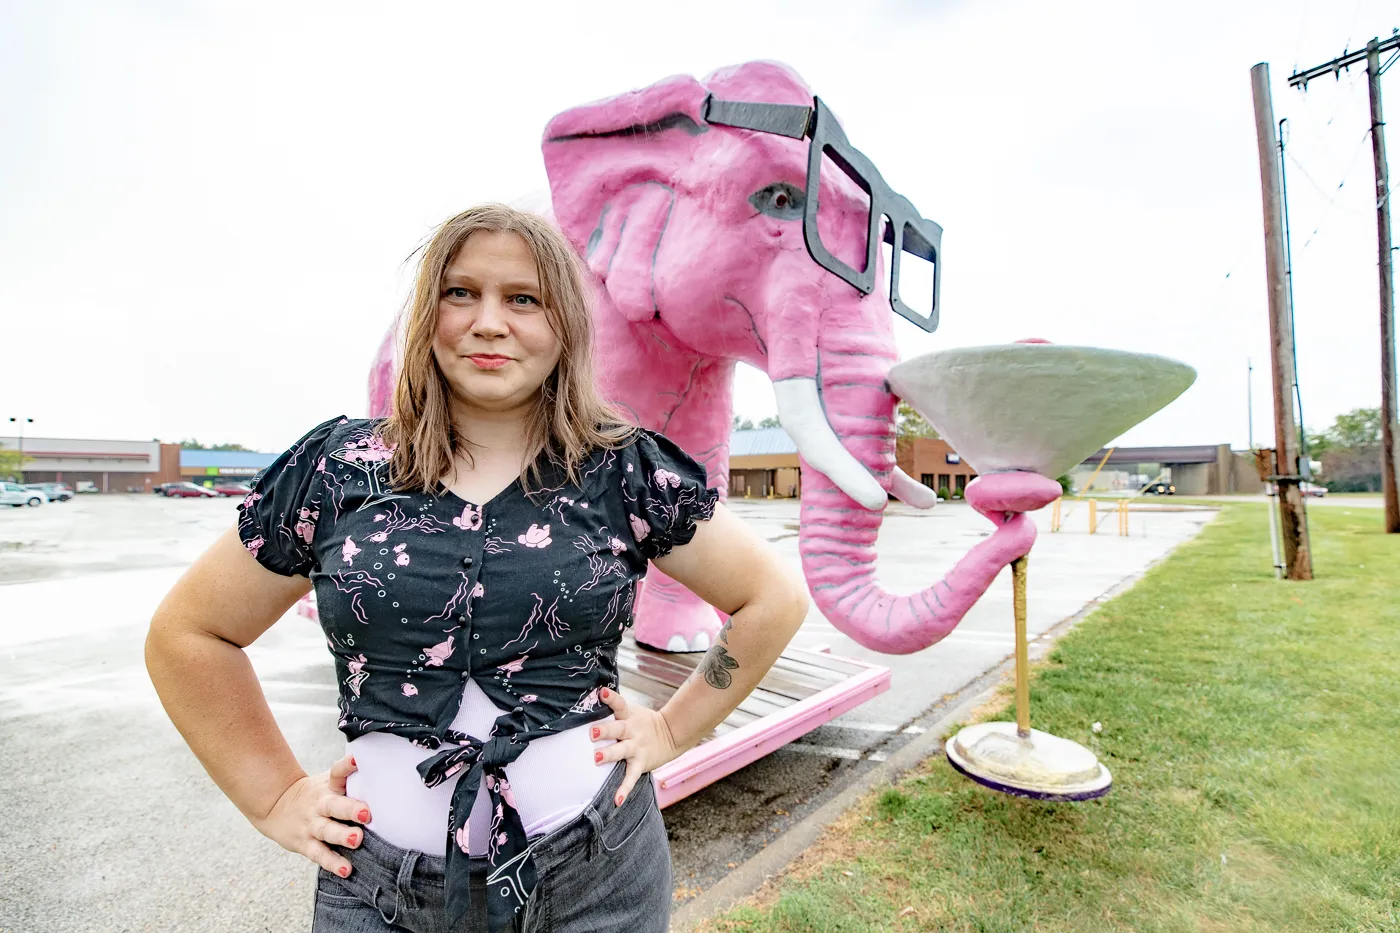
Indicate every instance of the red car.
{"type": "Point", "coordinates": [189, 491]}
{"type": "Point", "coordinates": [233, 489]}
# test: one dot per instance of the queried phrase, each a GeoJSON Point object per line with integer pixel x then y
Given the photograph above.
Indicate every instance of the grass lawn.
{"type": "Point", "coordinates": [1253, 731]}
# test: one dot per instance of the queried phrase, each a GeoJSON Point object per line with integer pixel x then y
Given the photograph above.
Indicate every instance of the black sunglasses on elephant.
{"type": "Point", "coordinates": [907, 231]}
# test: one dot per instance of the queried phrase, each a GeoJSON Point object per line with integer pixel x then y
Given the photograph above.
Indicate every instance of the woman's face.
{"type": "Point", "coordinates": [494, 342]}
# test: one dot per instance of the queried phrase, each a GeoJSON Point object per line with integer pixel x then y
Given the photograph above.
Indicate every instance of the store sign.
{"type": "Point", "coordinates": [230, 471]}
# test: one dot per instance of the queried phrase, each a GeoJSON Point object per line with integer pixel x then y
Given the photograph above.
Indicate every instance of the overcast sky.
{"type": "Point", "coordinates": [205, 208]}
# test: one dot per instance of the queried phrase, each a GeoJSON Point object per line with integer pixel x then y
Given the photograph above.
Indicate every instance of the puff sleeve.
{"type": "Point", "coordinates": [667, 493]}
{"type": "Point", "coordinates": [277, 520]}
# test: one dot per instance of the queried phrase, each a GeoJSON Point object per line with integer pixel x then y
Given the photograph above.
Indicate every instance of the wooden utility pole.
{"type": "Point", "coordinates": [1390, 436]}
{"type": "Point", "coordinates": [1388, 478]}
{"type": "Point", "coordinates": [1293, 519]}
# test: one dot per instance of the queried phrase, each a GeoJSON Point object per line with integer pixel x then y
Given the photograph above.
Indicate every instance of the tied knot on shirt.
{"type": "Point", "coordinates": [468, 752]}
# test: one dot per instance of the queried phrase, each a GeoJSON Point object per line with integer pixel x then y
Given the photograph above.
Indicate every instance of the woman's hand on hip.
{"type": "Point", "coordinates": [643, 740]}
{"type": "Point", "coordinates": [315, 811]}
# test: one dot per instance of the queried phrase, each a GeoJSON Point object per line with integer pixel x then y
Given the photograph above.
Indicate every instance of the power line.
{"type": "Point", "coordinates": [1338, 193]}
{"type": "Point", "coordinates": [1313, 181]}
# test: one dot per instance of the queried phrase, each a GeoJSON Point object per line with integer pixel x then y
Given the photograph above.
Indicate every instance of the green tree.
{"type": "Point", "coordinates": [909, 423]}
{"type": "Point", "coordinates": [1360, 427]}
{"type": "Point", "coordinates": [12, 461]}
{"type": "Point", "coordinates": [742, 424]}
{"type": "Point", "coordinates": [770, 422]}
{"type": "Point", "coordinates": [1318, 443]}
{"type": "Point", "coordinates": [192, 444]}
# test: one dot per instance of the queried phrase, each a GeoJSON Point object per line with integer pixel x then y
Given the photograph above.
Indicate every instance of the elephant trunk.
{"type": "Point", "coordinates": [837, 538]}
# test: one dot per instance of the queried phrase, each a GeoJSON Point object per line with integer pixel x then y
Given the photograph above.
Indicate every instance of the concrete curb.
{"type": "Point", "coordinates": [753, 874]}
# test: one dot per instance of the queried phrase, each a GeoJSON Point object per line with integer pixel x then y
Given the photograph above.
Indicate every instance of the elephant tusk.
{"type": "Point", "coordinates": [800, 411]}
{"type": "Point", "coordinates": [913, 493]}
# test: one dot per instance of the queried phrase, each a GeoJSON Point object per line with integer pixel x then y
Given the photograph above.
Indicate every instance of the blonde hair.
{"type": "Point", "coordinates": [570, 418]}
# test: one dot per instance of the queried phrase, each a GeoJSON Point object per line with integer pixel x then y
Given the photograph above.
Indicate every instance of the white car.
{"type": "Point", "coordinates": [16, 495]}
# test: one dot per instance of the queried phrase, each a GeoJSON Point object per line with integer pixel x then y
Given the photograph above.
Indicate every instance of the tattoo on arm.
{"type": "Point", "coordinates": [717, 662]}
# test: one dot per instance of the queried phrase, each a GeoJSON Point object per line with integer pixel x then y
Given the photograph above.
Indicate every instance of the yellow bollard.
{"type": "Point", "coordinates": [1123, 518]}
{"type": "Point", "coordinates": [1093, 516]}
{"type": "Point", "coordinates": [1055, 516]}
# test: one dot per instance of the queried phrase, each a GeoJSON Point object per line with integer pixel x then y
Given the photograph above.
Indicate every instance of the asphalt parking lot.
{"type": "Point", "coordinates": [111, 824]}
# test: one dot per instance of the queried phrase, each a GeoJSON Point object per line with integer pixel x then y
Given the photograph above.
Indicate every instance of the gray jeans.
{"type": "Point", "coordinates": [608, 869]}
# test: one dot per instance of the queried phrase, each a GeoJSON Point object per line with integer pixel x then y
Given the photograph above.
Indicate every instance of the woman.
{"type": "Point", "coordinates": [475, 558]}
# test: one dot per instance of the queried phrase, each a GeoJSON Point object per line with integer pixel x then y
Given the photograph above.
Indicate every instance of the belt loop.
{"type": "Point", "coordinates": [405, 879]}
{"type": "Point", "coordinates": [386, 918]}
{"type": "Point", "coordinates": [595, 842]}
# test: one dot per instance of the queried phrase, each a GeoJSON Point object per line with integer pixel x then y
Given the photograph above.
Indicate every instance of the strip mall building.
{"type": "Point", "coordinates": [128, 466]}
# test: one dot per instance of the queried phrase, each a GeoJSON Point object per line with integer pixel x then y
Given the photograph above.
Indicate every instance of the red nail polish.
{"type": "Point", "coordinates": [343, 871]}
{"type": "Point", "coordinates": [354, 839]}
{"type": "Point", "coordinates": [597, 758]}
{"type": "Point", "coordinates": [617, 801]}
{"type": "Point", "coordinates": [363, 816]}
{"type": "Point", "coordinates": [595, 733]}
{"type": "Point", "coordinates": [605, 693]}
{"type": "Point", "coordinates": [352, 763]}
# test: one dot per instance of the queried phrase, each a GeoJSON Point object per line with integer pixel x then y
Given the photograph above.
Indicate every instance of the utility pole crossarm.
{"type": "Point", "coordinates": [1335, 66]}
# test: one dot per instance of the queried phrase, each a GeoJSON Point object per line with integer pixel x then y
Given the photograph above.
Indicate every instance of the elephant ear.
{"type": "Point", "coordinates": [613, 168]}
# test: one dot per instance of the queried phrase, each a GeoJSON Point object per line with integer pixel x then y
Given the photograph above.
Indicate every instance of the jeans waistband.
{"type": "Point", "coordinates": [383, 864]}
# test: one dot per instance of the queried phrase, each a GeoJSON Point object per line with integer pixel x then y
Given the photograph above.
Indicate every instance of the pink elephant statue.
{"type": "Point", "coordinates": [693, 232]}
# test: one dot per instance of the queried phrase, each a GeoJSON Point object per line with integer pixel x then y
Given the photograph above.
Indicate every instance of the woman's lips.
{"type": "Point", "coordinates": [486, 361]}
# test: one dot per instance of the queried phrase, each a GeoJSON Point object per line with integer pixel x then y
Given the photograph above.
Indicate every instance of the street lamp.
{"type": "Point", "coordinates": [21, 422]}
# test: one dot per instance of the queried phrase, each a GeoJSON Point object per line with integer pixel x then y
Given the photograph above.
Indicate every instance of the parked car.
{"type": "Point", "coordinates": [1160, 488]}
{"type": "Point", "coordinates": [87, 485]}
{"type": "Point", "coordinates": [1312, 489]}
{"type": "Point", "coordinates": [163, 488]}
{"type": "Point", "coordinates": [57, 492]}
{"type": "Point", "coordinates": [189, 491]}
{"type": "Point", "coordinates": [233, 489]}
{"type": "Point", "coordinates": [17, 495]}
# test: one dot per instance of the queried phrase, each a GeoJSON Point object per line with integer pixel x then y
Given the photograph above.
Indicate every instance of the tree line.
{"type": "Point", "coordinates": [1350, 451]}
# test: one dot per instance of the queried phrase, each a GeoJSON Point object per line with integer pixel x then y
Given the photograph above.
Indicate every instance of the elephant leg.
{"type": "Point", "coordinates": [670, 617]}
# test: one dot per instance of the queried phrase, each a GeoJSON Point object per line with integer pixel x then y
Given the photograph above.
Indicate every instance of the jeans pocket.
{"type": "Point", "coordinates": [625, 821]}
{"type": "Point", "coordinates": [338, 909]}
{"type": "Point", "coordinates": [334, 892]}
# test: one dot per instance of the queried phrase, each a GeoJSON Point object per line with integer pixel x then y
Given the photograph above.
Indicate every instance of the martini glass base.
{"type": "Point", "coordinates": [1040, 766]}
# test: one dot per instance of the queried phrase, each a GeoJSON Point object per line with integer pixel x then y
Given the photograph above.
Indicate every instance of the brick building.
{"type": "Point", "coordinates": [1205, 470]}
{"type": "Point", "coordinates": [763, 461]}
{"type": "Point", "coordinates": [931, 461]}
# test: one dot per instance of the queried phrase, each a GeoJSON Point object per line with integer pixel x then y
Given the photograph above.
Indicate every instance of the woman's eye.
{"type": "Point", "coordinates": [524, 301]}
{"type": "Point", "coordinates": [779, 200]}
{"type": "Point", "coordinates": [457, 293]}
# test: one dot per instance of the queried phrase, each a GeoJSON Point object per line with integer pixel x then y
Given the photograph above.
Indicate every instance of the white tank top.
{"type": "Point", "coordinates": [553, 780]}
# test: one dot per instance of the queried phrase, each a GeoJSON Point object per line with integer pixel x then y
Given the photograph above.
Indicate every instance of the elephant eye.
{"type": "Point", "coordinates": [779, 200]}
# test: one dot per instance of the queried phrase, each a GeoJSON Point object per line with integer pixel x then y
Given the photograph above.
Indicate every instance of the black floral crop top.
{"type": "Point", "coordinates": [525, 594]}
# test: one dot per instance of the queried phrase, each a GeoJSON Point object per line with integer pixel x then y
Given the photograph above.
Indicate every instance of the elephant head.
{"type": "Point", "coordinates": [694, 233]}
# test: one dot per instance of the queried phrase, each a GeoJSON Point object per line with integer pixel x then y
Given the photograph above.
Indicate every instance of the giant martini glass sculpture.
{"type": "Point", "coordinates": [1018, 414]}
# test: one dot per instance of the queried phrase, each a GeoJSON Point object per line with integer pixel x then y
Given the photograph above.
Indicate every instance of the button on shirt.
{"type": "Point", "coordinates": [526, 594]}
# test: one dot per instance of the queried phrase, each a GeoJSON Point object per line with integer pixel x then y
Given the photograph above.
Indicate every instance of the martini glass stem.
{"type": "Point", "coordinates": [1023, 683]}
